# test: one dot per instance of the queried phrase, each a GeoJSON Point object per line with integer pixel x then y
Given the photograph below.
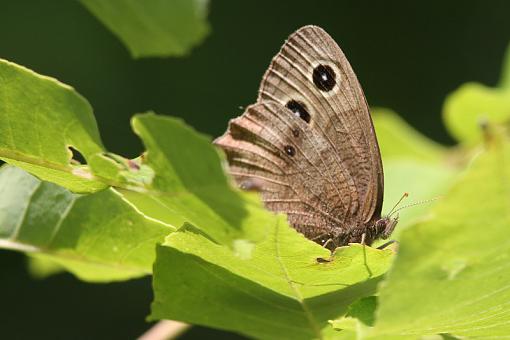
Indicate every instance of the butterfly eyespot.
{"type": "Point", "coordinates": [295, 133]}
{"type": "Point", "coordinates": [299, 110]}
{"type": "Point", "coordinates": [324, 78]}
{"type": "Point", "coordinates": [289, 150]}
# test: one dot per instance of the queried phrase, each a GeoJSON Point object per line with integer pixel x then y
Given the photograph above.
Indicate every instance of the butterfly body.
{"type": "Point", "coordinates": [309, 146]}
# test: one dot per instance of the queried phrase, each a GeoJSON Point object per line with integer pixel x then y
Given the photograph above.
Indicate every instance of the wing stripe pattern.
{"type": "Point", "coordinates": [323, 170]}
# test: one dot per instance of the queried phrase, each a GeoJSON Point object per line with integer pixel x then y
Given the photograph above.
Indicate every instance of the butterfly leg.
{"type": "Point", "coordinates": [328, 241]}
{"type": "Point", "coordinates": [363, 236]}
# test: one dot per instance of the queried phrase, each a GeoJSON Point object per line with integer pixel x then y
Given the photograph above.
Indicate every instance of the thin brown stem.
{"type": "Point", "coordinates": [165, 330]}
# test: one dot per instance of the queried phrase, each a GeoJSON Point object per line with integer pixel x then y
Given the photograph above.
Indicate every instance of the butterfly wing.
{"type": "Point", "coordinates": [309, 144]}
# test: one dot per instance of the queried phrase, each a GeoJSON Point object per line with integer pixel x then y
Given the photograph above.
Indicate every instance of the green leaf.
{"type": "Point", "coordinates": [505, 74]}
{"type": "Point", "coordinates": [111, 234]}
{"type": "Point", "coordinates": [359, 317]}
{"type": "Point", "coordinates": [280, 291]}
{"type": "Point", "coordinates": [41, 268]}
{"type": "Point", "coordinates": [398, 140]}
{"type": "Point", "coordinates": [154, 28]}
{"type": "Point", "coordinates": [98, 237]}
{"type": "Point", "coordinates": [40, 119]}
{"type": "Point", "coordinates": [473, 106]}
{"type": "Point", "coordinates": [451, 272]}
{"type": "Point", "coordinates": [190, 184]}
{"type": "Point", "coordinates": [179, 179]}
{"type": "Point", "coordinates": [423, 181]}
{"type": "Point", "coordinates": [413, 164]}
{"type": "Point", "coordinates": [363, 310]}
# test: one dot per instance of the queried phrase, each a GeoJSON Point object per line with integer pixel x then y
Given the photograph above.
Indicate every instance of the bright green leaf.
{"type": "Point", "coordinates": [40, 119]}
{"type": "Point", "coordinates": [413, 164]}
{"type": "Point", "coordinates": [398, 140]}
{"type": "Point", "coordinates": [423, 181]}
{"type": "Point", "coordinates": [451, 273]}
{"type": "Point", "coordinates": [473, 106]}
{"type": "Point", "coordinates": [190, 184]}
{"type": "Point", "coordinates": [98, 237]}
{"type": "Point", "coordinates": [179, 179]}
{"type": "Point", "coordinates": [154, 28]}
{"type": "Point", "coordinates": [281, 291]}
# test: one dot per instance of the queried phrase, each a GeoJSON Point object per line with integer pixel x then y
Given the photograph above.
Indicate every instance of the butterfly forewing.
{"type": "Point", "coordinates": [308, 144]}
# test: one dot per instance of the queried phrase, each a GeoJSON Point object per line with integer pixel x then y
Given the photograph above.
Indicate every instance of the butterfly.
{"type": "Point", "coordinates": [308, 145]}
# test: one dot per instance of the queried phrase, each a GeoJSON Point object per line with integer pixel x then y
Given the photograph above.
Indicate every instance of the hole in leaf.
{"type": "Point", "coordinates": [77, 158]}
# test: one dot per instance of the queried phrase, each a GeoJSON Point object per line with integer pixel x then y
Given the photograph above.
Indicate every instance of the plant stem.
{"type": "Point", "coordinates": [165, 330]}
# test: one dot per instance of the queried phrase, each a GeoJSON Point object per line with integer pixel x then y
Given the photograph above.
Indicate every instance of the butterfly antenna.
{"type": "Point", "coordinates": [405, 195]}
{"type": "Point", "coordinates": [413, 204]}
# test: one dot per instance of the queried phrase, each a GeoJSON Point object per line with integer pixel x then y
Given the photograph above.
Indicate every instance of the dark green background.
{"type": "Point", "coordinates": [408, 56]}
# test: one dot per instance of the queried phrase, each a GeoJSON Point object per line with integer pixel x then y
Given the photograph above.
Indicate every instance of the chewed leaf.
{"type": "Point", "coordinates": [42, 122]}
{"type": "Point", "coordinates": [47, 129]}
{"type": "Point", "coordinates": [118, 171]}
{"type": "Point", "coordinates": [152, 28]}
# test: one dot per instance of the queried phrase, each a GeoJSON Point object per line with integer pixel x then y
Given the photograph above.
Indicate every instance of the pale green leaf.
{"type": "Point", "coordinates": [413, 164]}
{"type": "Point", "coordinates": [154, 28]}
{"type": "Point", "coordinates": [451, 273]}
{"type": "Point", "coordinates": [425, 183]}
{"type": "Point", "coordinates": [474, 106]}
{"type": "Point", "coordinates": [398, 140]}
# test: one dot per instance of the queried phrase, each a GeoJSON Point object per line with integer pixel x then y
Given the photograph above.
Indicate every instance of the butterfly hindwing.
{"type": "Point", "coordinates": [269, 146]}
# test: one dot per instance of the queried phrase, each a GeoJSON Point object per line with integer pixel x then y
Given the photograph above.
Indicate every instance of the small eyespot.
{"type": "Point", "coordinates": [295, 133]}
{"type": "Point", "coordinates": [299, 110]}
{"type": "Point", "coordinates": [289, 150]}
{"type": "Point", "coordinates": [324, 78]}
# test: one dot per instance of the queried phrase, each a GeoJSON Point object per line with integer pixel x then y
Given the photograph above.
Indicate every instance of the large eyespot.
{"type": "Point", "coordinates": [324, 78]}
{"type": "Point", "coordinates": [299, 110]}
{"type": "Point", "coordinates": [289, 150]}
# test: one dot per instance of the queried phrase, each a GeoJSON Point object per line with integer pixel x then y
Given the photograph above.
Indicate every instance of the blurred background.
{"type": "Point", "coordinates": [408, 56]}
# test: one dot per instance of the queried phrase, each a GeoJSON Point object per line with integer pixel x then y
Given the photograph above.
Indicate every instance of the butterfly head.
{"type": "Point", "coordinates": [385, 226]}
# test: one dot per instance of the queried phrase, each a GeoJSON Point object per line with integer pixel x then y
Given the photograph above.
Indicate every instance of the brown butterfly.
{"type": "Point", "coordinates": [309, 145]}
